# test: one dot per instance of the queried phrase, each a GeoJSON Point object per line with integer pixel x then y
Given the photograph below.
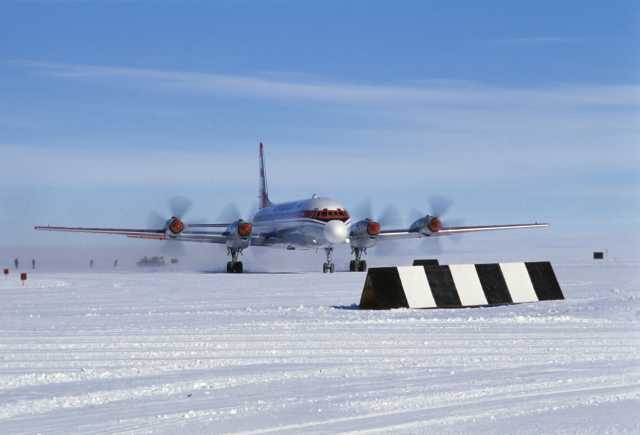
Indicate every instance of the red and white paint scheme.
{"type": "Point", "coordinates": [311, 223]}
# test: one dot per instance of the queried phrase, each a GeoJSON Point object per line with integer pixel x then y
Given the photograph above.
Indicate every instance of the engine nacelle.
{"type": "Point", "coordinates": [174, 227]}
{"type": "Point", "coordinates": [239, 234]}
{"type": "Point", "coordinates": [364, 233]}
{"type": "Point", "coordinates": [427, 225]}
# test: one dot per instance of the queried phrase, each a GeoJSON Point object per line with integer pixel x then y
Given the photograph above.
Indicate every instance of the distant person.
{"type": "Point", "coordinates": [91, 264]}
{"type": "Point", "coordinates": [16, 263]}
{"type": "Point", "coordinates": [115, 263]}
{"type": "Point", "coordinates": [33, 264]}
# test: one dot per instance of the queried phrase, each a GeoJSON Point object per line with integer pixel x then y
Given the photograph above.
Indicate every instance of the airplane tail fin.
{"type": "Point", "coordinates": [264, 193]}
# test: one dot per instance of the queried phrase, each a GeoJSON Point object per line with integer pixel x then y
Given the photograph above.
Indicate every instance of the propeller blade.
{"type": "Point", "coordinates": [390, 217]}
{"type": "Point", "coordinates": [415, 214]}
{"type": "Point", "coordinates": [454, 223]}
{"type": "Point", "coordinates": [229, 213]}
{"type": "Point", "coordinates": [432, 245]}
{"type": "Point", "coordinates": [253, 209]}
{"type": "Point", "coordinates": [179, 206]}
{"type": "Point", "coordinates": [363, 210]}
{"type": "Point", "coordinates": [439, 205]}
{"type": "Point", "coordinates": [156, 221]}
{"type": "Point", "coordinates": [385, 248]}
{"type": "Point", "coordinates": [455, 238]}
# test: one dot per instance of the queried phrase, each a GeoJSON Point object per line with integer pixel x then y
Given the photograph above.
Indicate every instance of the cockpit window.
{"type": "Point", "coordinates": [327, 215]}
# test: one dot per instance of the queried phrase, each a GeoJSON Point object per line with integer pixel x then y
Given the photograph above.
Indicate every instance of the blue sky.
{"type": "Point", "coordinates": [517, 111]}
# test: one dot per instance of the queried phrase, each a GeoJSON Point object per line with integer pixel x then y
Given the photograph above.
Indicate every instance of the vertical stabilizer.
{"type": "Point", "coordinates": [264, 193]}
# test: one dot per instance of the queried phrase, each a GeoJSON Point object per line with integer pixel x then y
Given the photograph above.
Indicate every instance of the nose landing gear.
{"type": "Point", "coordinates": [358, 265]}
{"type": "Point", "coordinates": [328, 266]}
{"type": "Point", "coordinates": [234, 266]}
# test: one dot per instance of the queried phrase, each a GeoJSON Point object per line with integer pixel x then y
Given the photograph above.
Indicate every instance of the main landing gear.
{"type": "Point", "coordinates": [328, 266]}
{"type": "Point", "coordinates": [234, 266]}
{"type": "Point", "coordinates": [358, 265]}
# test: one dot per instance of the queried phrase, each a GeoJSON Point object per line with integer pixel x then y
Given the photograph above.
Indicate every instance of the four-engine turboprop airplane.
{"type": "Point", "coordinates": [309, 223]}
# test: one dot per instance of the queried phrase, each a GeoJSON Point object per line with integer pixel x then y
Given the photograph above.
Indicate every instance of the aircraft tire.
{"type": "Point", "coordinates": [362, 266]}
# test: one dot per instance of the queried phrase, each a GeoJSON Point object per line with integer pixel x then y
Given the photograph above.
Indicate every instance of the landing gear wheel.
{"type": "Point", "coordinates": [328, 266]}
{"type": "Point", "coordinates": [358, 264]}
{"type": "Point", "coordinates": [234, 266]}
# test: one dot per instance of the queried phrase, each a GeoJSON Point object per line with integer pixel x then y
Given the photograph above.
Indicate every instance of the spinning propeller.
{"type": "Point", "coordinates": [179, 206]}
{"type": "Point", "coordinates": [231, 213]}
{"type": "Point", "coordinates": [387, 219]}
{"type": "Point", "coordinates": [438, 207]}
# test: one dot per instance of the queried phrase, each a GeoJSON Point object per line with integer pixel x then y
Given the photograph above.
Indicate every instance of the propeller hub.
{"type": "Point", "coordinates": [373, 228]}
{"type": "Point", "coordinates": [435, 225]}
{"type": "Point", "coordinates": [244, 229]}
{"type": "Point", "coordinates": [176, 226]}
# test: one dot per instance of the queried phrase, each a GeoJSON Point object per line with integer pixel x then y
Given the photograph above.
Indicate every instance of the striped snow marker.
{"type": "Point", "coordinates": [459, 285]}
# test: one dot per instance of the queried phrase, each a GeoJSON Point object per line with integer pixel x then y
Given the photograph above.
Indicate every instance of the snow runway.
{"type": "Point", "coordinates": [286, 353]}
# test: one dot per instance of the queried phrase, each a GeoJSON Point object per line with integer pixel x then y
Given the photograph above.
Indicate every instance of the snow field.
{"type": "Point", "coordinates": [290, 353]}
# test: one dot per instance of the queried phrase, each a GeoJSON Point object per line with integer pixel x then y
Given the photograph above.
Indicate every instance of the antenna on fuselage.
{"type": "Point", "coordinates": [264, 193]}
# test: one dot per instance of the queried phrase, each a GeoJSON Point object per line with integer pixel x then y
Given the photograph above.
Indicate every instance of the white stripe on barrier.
{"type": "Point", "coordinates": [468, 284]}
{"type": "Point", "coordinates": [416, 287]}
{"type": "Point", "coordinates": [518, 282]}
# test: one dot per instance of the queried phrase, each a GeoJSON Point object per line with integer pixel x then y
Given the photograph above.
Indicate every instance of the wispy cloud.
{"type": "Point", "coordinates": [307, 89]}
{"type": "Point", "coordinates": [532, 40]}
{"type": "Point", "coordinates": [464, 136]}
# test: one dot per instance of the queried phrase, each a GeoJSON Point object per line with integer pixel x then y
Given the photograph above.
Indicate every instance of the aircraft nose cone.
{"type": "Point", "coordinates": [335, 232]}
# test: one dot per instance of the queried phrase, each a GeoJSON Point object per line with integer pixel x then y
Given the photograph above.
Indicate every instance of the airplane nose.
{"type": "Point", "coordinates": [335, 232]}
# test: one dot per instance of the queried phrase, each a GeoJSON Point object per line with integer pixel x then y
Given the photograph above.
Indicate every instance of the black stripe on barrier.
{"type": "Point", "coordinates": [383, 289]}
{"type": "Point", "coordinates": [544, 281]}
{"type": "Point", "coordinates": [442, 286]}
{"type": "Point", "coordinates": [493, 284]}
{"type": "Point", "coordinates": [426, 262]}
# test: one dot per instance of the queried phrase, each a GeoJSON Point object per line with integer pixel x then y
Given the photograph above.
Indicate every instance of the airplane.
{"type": "Point", "coordinates": [313, 223]}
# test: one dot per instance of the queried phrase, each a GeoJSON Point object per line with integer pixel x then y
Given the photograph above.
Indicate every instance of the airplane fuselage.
{"type": "Point", "coordinates": [308, 223]}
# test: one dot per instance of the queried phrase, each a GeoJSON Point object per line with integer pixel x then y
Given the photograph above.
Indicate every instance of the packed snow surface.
{"type": "Point", "coordinates": [291, 353]}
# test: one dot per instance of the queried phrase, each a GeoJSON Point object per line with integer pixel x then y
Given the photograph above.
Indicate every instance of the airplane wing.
{"type": "Point", "coordinates": [136, 233]}
{"type": "Point", "coordinates": [447, 231]}
{"type": "Point", "coordinates": [161, 234]}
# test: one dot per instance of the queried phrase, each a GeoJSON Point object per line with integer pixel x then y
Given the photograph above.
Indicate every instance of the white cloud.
{"type": "Point", "coordinates": [531, 40]}
{"type": "Point", "coordinates": [395, 141]}
{"type": "Point", "coordinates": [428, 93]}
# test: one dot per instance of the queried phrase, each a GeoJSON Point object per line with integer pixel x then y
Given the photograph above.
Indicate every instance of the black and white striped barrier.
{"type": "Point", "coordinates": [459, 285]}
